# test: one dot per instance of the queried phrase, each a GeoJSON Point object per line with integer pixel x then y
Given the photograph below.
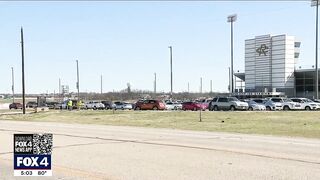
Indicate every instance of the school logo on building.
{"type": "Point", "coordinates": [263, 49]}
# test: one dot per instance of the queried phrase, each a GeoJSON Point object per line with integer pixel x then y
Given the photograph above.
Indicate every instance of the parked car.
{"type": "Point", "coordinates": [173, 106]}
{"type": "Point", "coordinates": [94, 105]}
{"type": "Point", "coordinates": [122, 105]}
{"type": "Point", "coordinates": [260, 100]}
{"type": "Point", "coordinates": [306, 103]}
{"type": "Point", "coordinates": [150, 105]}
{"type": "Point", "coordinates": [204, 103]}
{"type": "Point", "coordinates": [279, 103]}
{"type": "Point", "coordinates": [316, 100]}
{"type": "Point", "coordinates": [227, 103]}
{"type": "Point", "coordinates": [51, 105]}
{"type": "Point", "coordinates": [58, 106]}
{"type": "Point", "coordinates": [31, 104]}
{"type": "Point", "coordinates": [64, 105]}
{"type": "Point", "coordinates": [273, 104]}
{"type": "Point", "coordinates": [108, 104]}
{"type": "Point", "coordinates": [15, 106]}
{"type": "Point", "coordinates": [254, 106]}
{"type": "Point", "coordinates": [191, 105]}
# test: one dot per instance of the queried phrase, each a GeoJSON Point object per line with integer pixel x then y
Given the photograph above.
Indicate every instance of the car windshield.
{"type": "Point", "coordinates": [253, 102]}
{"type": "Point", "coordinates": [287, 100]}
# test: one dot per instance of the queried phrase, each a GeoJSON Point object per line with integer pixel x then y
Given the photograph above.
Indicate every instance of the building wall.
{"type": "Point", "coordinates": [269, 63]}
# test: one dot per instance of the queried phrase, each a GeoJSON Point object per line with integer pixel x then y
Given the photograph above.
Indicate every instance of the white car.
{"type": "Point", "coordinates": [173, 106]}
{"type": "Point", "coordinates": [288, 104]}
{"type": "Point", "coordinates": [254, 106]}
{"type": "Point", "coordinates": [307, 104]}
{"type": "Point", "coordinates": [122, 105]}
{"type": "Point", "coordinates": [274, 104]}
{"type": "Point", "coordinates": [94, 105]}
{"type": "Point", "coordinates": [278, 103]}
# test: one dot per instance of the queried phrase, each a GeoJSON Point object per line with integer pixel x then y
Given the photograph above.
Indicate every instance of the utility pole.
{"type": "Point", "coordinates": [316, 3]}
{"type": "Point", "coordinates": [78, 82]}
{"type": "Point", "coordinates": [170, 47]}
{"type": "Point", "coordinates": [201, 85]}
{"type": "Point", "coordinates": [188, 87]}
{"type": "Point", "coordinates": [23, 84]}
{"type": "Point", "coordinates": [12, 87]}
{"type": "Point", "coordinates": [60, 87]}
{"type": "Point", "coordinates": [210, 86]}
{"type": "Point", "coordinates": [155, 83]}
{"type": "Point", "coordinates": [232, 19]}
{"type": "Point", "coordinates": [101, 84]}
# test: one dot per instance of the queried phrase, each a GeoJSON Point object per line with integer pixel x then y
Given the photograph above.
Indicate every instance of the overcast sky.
{"type": "Point", "coordinates": [128, 42]}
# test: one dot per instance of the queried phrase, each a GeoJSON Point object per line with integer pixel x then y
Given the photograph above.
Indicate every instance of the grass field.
{"type": "Point", "coordinates": [301, 124]}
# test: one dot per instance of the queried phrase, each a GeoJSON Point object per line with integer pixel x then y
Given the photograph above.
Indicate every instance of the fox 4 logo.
{"type": "Point", "coordinates": [32, 162]}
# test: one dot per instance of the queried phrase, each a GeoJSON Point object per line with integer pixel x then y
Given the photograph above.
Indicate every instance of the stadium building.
{"type": "Point", "coordinates": [270, 69]}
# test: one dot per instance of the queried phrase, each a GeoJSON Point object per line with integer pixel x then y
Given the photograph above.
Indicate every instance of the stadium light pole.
{"type": "Point", "coordinates": [12, 87]}
{"type": "Point", "coordinates": [78, 81]}
{"type": "Point", "coordinates": [316, 3]}
{"type": "Point", "coordinates": [210, 86]}
{"type": "Point", "coordinates": [231, 19]}
{"type": "Point", "coordinates": [22, 69]}
{"type": "Point", "coordinates": [170, 47]}
{"type": "Point", "coordinates": [229, 88]}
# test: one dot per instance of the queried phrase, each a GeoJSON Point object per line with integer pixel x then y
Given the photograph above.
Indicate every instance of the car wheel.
{"type": "Point", "coordinates": [155, 108]}
{"type": "Point", "coordinates": [250, 109]}
{"type": "Point", "coordinates": [215, 108]}
{"type": "Point", "coordinates": [194, 109]}
{"type": "Point", "coordinates": [307, 108]}
{"type": "Point", "coordinates": [137, 108]}
{"type": "Point", "coordinates": [268, 108]}
{"type": "Point", "coordinates": [94, 108]}
{"type": "Point", "coordinates": [175, 108]}
{"type": "Point", "coordinates": [286, 108]}
{"type": "Point", "coordinates": [232, 108]}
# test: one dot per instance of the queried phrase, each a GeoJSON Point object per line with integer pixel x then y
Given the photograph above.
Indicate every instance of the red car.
{"type": "Point", "coordinates": [204, 104]}
{"type": "Point", "coordinates": [149, 105]}
{"type": "Point", "coordinates": [193, 106]}
{"type": "Point", "coordinates": [15, 106]}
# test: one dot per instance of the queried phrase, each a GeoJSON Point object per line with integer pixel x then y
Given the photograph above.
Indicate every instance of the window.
{"type": "Point", "coordinates": [232, 99]}
{"type": "Point", "coordinates": [276, 100]}
{"type": "Point", "coordinates": [223, 100]}
{"type": "Point", "coordinates": [214, 99]}
{"type": "Point", "coordinates": [258, 101]}
{"type": "Point", "coordinates": [296, 100]}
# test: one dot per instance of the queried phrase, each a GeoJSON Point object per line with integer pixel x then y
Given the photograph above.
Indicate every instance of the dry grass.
{"type": "Point", "coordinates": [299, 123]}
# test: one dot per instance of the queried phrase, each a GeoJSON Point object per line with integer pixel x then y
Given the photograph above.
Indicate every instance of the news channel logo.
{"type": "Point", "coordinates": [32, 154]}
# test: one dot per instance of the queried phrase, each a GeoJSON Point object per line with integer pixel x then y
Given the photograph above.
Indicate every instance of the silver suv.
{"type": "Point", "coordinates": [227, 103]}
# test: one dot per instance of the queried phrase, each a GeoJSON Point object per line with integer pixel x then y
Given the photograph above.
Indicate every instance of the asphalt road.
{"type": "Point", "coordinates": [110, 152]}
